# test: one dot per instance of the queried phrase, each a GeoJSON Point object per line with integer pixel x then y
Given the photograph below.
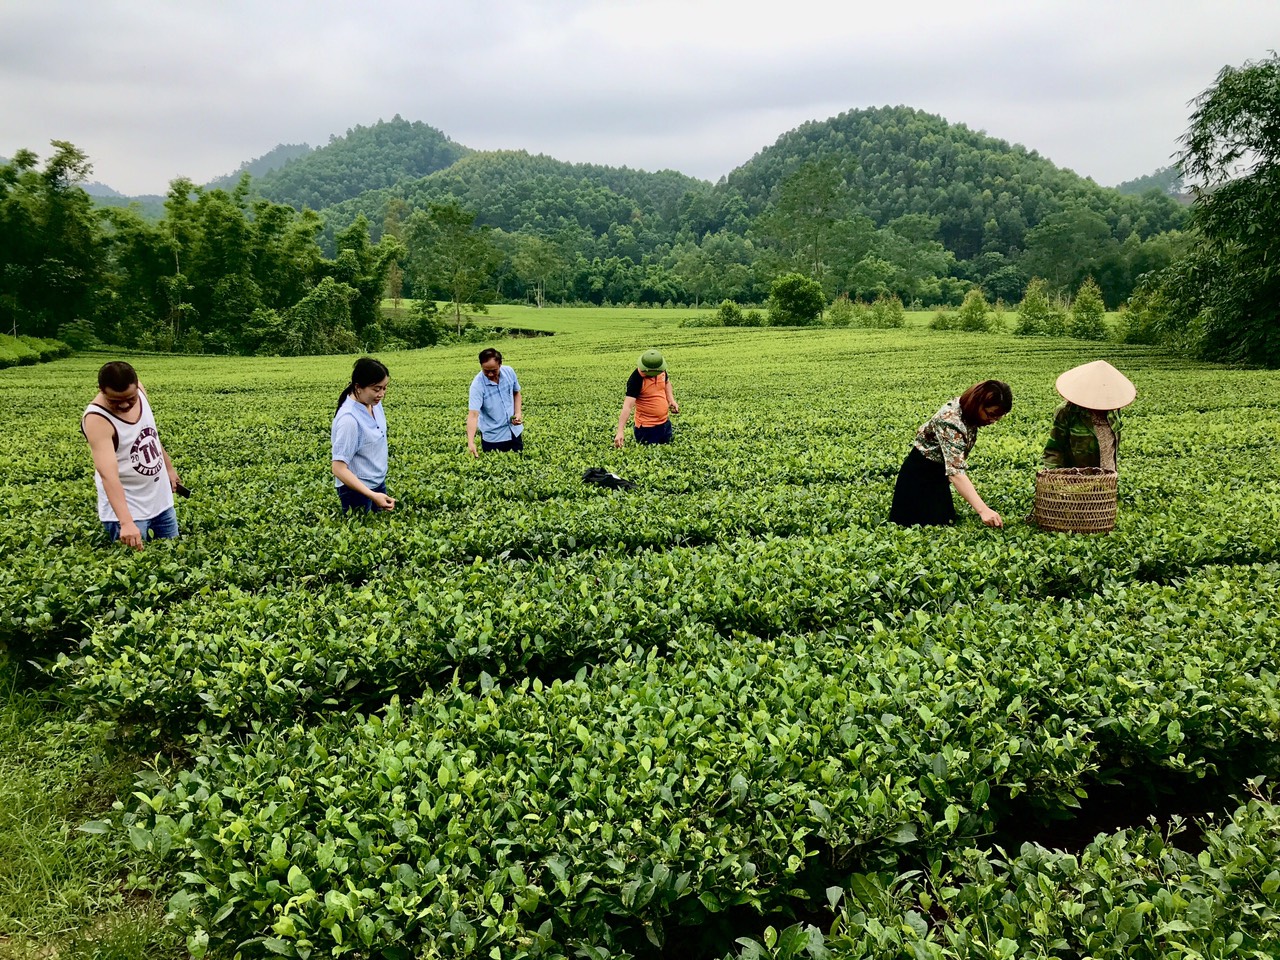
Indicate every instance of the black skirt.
{"type": "Point", "coordinates": [922, 495]}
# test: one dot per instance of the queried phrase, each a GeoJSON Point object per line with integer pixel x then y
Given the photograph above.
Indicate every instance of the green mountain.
{"type": "Point", "coordinates": [149, 206]}
{"type": "Point", "coordinates": [364, 159]}
{"type": "Point", "coordinates": [1165, 180]}
{"type": "Point", "coordinates": [519, 192]}
{"type": "Point", "coordinates": [273, 159]}
{"type": "Point", "coordinates": [920, 207]}
{"type": "Point", "coordinates": [985, 193]}
{"type": "Point", "coordinates": [95, 189]}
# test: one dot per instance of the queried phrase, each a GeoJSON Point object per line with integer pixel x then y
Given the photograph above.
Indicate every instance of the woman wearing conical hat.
{"type": "Point", "coordinates": [1086, 429]}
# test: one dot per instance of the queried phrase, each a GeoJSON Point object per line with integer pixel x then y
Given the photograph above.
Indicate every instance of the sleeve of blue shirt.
{"type": "Point", "coordinates": [475, 397]}
{"type": "Point", "coordinates": [515, 381]}
{"type": "Point", "coordinates": [345, 438]}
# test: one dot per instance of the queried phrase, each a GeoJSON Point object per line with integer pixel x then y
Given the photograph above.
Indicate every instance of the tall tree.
{"type": "Point", "coordinates": [448, 253]}
{"type": "Point", "coordinates": [1231, 152]}
{"type": "Point", "coordinates": [393, 226]}
{"type": "Point", "coordinates": [1065, 246]}
{"type": "Point", "coordinates": [535, 260]}
{"type": "Point", "coordinates": [694, 269]}
{"type": "Point", "coordinates": [810, 204]}
{"type": "Point", "coordinates": [50, 241]}
{"type": "Point", "coordinates": [363, 266]}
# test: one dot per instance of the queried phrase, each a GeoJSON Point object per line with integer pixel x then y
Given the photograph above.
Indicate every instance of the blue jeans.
{"type": "Point", "coordinates": [659, 434]}
{"type": "Point", "coordinates": [351, 500]}
{"type": "Point", "coordinates": [162, 527]}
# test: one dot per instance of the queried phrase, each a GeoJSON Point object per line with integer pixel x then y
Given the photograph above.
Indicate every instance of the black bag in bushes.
{"type": "Point", "coordinates": [603, 478]}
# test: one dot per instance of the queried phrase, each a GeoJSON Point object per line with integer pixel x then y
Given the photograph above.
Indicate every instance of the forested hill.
{"type": "Point", "coordinates": [365, 158]}
{"type": "Point", "coordinates": [520, 192]}
{"type": "Point", "coordinates": [985, 193]}
{"type": "Point", "coordinates": [273, 159]}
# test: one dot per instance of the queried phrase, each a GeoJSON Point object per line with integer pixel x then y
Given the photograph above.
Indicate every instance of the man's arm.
{"type": "Point", "coordinates": [519, 417]}
{"type": "Point", "coordinates": [671, 398]}
{"type": "Point", "coordinates": [170, 469]}
{"type": "Point", "coordinates": [628, 405]}
{"type": "Point", "coordinates": [100, 435]}
{"type": "Point", "coordinates": [473, 421]}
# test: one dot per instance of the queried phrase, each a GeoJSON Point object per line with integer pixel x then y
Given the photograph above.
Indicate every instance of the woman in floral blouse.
{"type": "Point", "coordinates": [922, 494]}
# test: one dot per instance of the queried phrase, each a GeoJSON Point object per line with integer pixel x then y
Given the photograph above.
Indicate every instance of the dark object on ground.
{"type": "Point", "coordinates": [603, 478]}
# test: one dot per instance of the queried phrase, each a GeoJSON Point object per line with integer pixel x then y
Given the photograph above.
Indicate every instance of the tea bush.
{"type": "Point", "coordinates": [522, 714]}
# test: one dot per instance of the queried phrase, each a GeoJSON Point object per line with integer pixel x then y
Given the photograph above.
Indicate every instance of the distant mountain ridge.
{"type": "Point", "coordinates": [984, 192]}
{"type": "Point", "coordinates": [95, 189]}
{"type": "Point", "coordinates": [980, 200]}
{"type": "Point", "coordinates": [363, 159]}
{"type": "Point", "coordinates": [514, 190]}
{"type": "Point", "coordinates": [259, 167]}
{"type": "Point", "coordinates": [392, 155]}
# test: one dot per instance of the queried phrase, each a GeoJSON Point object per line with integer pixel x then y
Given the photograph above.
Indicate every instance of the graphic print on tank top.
{"type": "Point", "coordinates": [144, 455]}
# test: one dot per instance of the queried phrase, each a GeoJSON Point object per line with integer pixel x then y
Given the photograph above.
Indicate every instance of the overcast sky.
{"type": "Point", "coordinates": [154, 90]}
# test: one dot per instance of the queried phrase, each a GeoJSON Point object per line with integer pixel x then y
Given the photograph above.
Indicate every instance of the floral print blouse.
{"type": "Point", "coordinates": [945, 438]}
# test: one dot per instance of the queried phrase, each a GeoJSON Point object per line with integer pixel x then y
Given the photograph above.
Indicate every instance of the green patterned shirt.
{"type": "Point", "coordinates": [1072, 441]}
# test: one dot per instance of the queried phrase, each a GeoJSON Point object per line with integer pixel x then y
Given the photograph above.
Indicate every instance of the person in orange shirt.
{"type": "Point", "coordinates": [649, 395]}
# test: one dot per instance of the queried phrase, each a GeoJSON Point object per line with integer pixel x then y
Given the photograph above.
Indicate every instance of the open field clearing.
{"type": "Point", "coordinates": [731, 712]}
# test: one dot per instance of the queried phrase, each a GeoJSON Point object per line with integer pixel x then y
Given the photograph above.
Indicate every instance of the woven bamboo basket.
{"type": "Point", "coordinates": [1076, 500]}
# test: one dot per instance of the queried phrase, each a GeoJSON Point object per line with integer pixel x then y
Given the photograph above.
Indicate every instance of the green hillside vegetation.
{"type": "Point", "coordinates": [273, 159]}
{"type": "Point", "coordinates": [365, 158]}
{"type": "Point", "coordinates": [985, 193]}
{"type": "Point", "coordinates": [149, 206]}
{"type": "Point", "coordinates": [1165, 180]}
{"type": "Point", "coordinates": [960, 205]}
{"type": "Point", "coordinates": [610, 231]}
{"type": "Point", "coordinates": [514, 190]}
{"type": "Point", "coordinates": [1004, 212]}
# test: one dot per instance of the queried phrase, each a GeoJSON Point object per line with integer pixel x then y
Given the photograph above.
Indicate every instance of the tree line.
{"type": "Point", "coordinates": [877, 204]}
{"type": "Point", "coordinates": [902, 204]}
{"type": "Point", "coordinates": [220, 272]}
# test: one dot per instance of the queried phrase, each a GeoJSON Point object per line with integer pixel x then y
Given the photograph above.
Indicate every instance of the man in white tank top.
{"type": "Point", "coordinates": [135, 478]}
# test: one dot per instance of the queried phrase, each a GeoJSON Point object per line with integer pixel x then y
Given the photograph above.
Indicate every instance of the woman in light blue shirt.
{"type": "Point", "coordinates": [359, 439]}
{"type": "Point", "coordinates": [493, 407]}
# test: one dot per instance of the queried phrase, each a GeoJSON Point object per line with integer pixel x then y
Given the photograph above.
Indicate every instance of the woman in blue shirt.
{"type": "Point", "coordinates": [493, 407]}
{"type": "Point", "coordinates": [359, 439]}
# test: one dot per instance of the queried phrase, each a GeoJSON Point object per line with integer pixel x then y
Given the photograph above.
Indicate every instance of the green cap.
{"type": "Point", "coordinates": [651, 363]}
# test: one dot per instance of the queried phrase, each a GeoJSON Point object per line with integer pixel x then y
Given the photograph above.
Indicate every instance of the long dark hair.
{"type": "Point", "coordinates": [365, 373]}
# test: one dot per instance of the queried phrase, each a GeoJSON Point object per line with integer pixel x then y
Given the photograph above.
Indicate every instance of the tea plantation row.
{"type": "Point", "coordinates": [524, 717]}
{"type": "Point", "coordinates": [735, 770]}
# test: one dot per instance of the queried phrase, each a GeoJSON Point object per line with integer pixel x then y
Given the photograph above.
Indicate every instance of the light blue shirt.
{"type": "Point", "coordinates": [359, 440]}
{"type": "Point", "coordinates": [496, 404]}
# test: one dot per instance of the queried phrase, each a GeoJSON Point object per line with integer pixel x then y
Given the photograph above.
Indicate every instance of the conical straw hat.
{"type": "Point", "coordinates": [1097, 386]}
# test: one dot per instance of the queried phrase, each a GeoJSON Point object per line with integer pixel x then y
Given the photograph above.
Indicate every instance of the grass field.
{"type": "Point", "coordinates": [731, 712]}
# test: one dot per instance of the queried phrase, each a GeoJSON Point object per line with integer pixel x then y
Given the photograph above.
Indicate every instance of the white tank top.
{"type": "Point", "coordinates": [139, 462]}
